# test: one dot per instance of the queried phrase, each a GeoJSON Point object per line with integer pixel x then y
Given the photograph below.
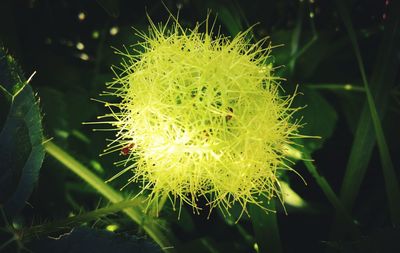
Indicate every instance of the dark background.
{"type": "Point", "coordinates": [72, 57]}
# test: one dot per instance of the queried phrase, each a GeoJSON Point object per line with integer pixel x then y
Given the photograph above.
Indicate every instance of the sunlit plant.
{"type": "Point", "coordinates": [200, 115]}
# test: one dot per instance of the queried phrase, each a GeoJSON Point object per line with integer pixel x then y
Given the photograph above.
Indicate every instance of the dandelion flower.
{"type": "Point", "coordinates": [200, 115]}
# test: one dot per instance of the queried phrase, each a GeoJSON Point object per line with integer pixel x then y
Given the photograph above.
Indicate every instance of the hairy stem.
{"type": "Point", "coordinates": [135, 213]}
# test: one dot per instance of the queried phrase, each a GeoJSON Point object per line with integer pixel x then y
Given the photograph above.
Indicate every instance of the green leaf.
{"type": "Point", "coordinates": [21, 150]}
{"type": "Point", "coordinates": [229, 14]}
{"type": "Point", "coordinates": [52, 122]}
{"type": "Point", "coordinates": [319, 118]}
{"type": "Point", "coordinates": [315, 53]}
{"type": "Point", "coordinates": [350, 96]}
{"type": "Point", "coordinates": [266, 228]}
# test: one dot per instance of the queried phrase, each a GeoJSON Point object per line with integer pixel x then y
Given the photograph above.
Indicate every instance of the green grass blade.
{"type": "Point", "coordinates": [295, 41]}
{"type": "Point", "coordinates": [331, 196]}
{"type": "Point", "coordinates": [135, 213]}
{"type": "Point", "coordinates": [391, 183]}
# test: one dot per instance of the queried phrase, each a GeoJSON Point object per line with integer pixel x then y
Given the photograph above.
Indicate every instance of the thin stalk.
{"type": "Point", "coordinates": [331, 195]}
{"type": "Point", "coordinates": [334, 86]}
{"type": "Point", "coordinates": [135, 213]}
{"type": "Point", "coordinates": [68, 223]}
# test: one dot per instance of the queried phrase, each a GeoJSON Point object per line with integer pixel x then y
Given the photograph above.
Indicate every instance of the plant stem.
{"type": "Point", "coordinates": [68, 223]}
{"type": "Point", "coordinates": [135, 213]}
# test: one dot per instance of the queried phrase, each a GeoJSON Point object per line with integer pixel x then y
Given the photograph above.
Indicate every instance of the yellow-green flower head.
{"type": "Point", "coordinates": [200, 116]}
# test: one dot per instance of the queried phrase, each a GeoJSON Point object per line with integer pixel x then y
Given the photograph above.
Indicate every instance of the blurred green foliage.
{"type": "Point", "coordinates": [70, 46]}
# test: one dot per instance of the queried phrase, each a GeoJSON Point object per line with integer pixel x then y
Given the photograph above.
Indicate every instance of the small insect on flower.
{"type": "Point", "coordinates": [229, 114]}
{"type": "Point", "coordinates": [207, 114]}
{"type": "Point", "coordinates": [127, 149]}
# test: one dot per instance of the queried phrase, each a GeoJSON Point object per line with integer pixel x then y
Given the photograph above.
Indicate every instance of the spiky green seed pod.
{"type": "Point", "coordinates": [200, 115]}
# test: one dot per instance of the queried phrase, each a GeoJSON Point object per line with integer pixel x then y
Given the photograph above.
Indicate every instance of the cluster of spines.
{"type": "Point", "coordinates": [213, 128]}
